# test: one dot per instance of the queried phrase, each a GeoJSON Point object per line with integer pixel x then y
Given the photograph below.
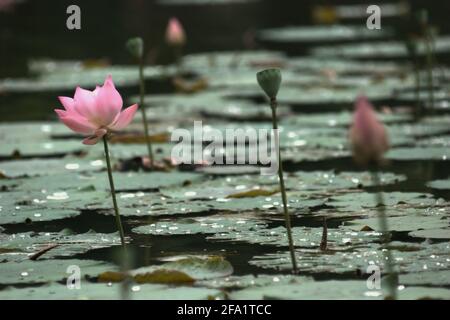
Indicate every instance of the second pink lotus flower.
{"type": "Point", "coordinates": [95, 113]}
{"type": "Point", "coordinates": [367, 135]}
{"type": "Point", "coordinates": [175, 35]}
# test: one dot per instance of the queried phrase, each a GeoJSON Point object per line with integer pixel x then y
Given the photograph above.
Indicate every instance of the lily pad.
{"type": "Point", "coordinates": [203, 225]}
{"type": "Point", "coordinates": [419, 153]}
{"type": "Point", "coordinates": [102, 291]}
{"type": "Point", "coordinates": [431, 234]}
{"type": "Point", "coordinates": [43, 271]}
{"type": "Point", "coordinates": [124, 181]}
{"type": "Point", "coordinates": [60, 80]}
{"type": "Point", "coordinates": [357, 201]}
{"type": "Point", "coordinates": [408, 258]}
{"type": "Point", "coordinates": [317, 34]}
{"type": "Point", "coordinates": [403, 223]}
{"type": "Point", "coordinates": [443, 184]}
{"type": "Point", "coordinates": [247, 281]}
{"type": "Point", "coordinates": [39, 167]}
{"type": "Point", "coordinates": [435, 278]}
{"type": "Point", "coordinates": [333, 289]}
{"type": "Point", "coordinates": [12, 211]}
{"type": "Point", "coordinates": [41, 149]}
{"type": "Point", "coordinates": [304, 237]}
{"type": "Point", "coordinates": [197, 267]}
{"type": "Point", "coordinates": [66, 243]}
{"type": "Point", "coordinates": [380, 50]}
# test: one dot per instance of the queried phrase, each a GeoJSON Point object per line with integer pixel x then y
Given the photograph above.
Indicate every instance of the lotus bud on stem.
{"type": "Point", "coordinates": [135, 47]}
{"type": "Point", "coordinates": [429, 40]}
{"type": "Point", "coordinates": [269, 80]}
{"type": "Point", "coordinates": [411, 46]}
{"type": "Point", "coordinates": [369, 142]}
{"type": "Point", "coordinates": [176, 38]}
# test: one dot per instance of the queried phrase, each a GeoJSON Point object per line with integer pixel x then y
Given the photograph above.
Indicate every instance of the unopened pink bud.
{"type": "Point", "coordinates": [175, 35]}
{"type": "Point", "coordinates": [367, 135]}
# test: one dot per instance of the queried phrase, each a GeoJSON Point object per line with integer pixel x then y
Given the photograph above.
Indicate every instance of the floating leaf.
{"type": "Point", "coordinates": [404, 223]}
{"type": "Point", "coordinates": [431, 234]}
{"type": "Point", "coordinates": [43, 271]}
{"type": "Point", "coordinates": [220, 224]}
{"type": "Point", "coordinates": [333, 289]}
{"type": "Point", "coordinates": [104, 291]}
{"type": "Point", "coordinates": [23, 245]}
{"type": "Point", "coordinates": [40, 167]}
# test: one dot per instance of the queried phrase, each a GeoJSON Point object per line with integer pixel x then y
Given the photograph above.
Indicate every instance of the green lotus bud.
{"type": "Point", "coordinates": [135, 47]}
{"type": "Point", "coordinates": [269, 80]}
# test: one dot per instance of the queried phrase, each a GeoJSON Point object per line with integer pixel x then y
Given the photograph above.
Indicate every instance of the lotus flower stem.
{"type": "Point", "coordinates": [419, 110]}
{"type": "Point", "coordinates": [144, 115]}
{"type": "Point", "coordinates": [287, 218]}
{"type": "Point", "coordinates": [429, 58]}
{"type": "Point", "coordinates": [113, 194]}
{"type": "Point", "coordinates": [385, 238]}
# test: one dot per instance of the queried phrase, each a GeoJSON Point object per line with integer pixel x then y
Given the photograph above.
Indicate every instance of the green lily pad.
{"type": "Point", "coordinates": [39, 167]}
{"type": "Point", "coordinates": [110, 291]}
{"type": "Point", "coordinates": [431, 234]}
{"type": "Point", "coordinates": [418, 153]}
{"type": "Point", "coordinates": [12, 211]}
{"type": "Point", "coordinates": [339, 119]}
{"type": "Point", "coordinates": [67, 243]}
{"type": "Point", "coordinates": [443, 184]}
{"type": "Point", "coordinates": [298, 201]}
{"type": "Point", "coordinates": [435, 278]}
{"type": "Point", "coordinates": [145, 204]}
{"type": "Point", "coordinates": [231, 59]}
{"type": "Point", "coordinates": [333, 289]}
{"type": "Point", "coordinates": [380, 50]}
{"type": "Point", "coordinates": [357, 201]}
{"type": "Point", "coordinates": [203, 225]}
{"type": "Point", "coordinates": [222, 188]}
{"type": "Point", "coordinates": [247, 281]}
{"type": "Point", "coordinates": [60, 80]}
{"type": "Point", "coordinates": [408, 258]}
{"type": "Point", "coordinates": [317, 34]}
{"type": "Point", "coordinates": [20, 204]}
{"type": "Point", "coordinates": [345, 66]}
{"type": "Point", "coordinates": [43, 271]}
{"type": "Point", "coordinates": [226, 170]}
{"type": "Point", "coordinates": [390, 211]}
{"type": "Point", "coordinates": [403, 223]}
{"type": "Point", "coordinates": [19, 132]}
{"type": "Point", "coordinates": [41, 149]}
{"type": "Point", "coordinates": [440, 141]}
{"type": "Point", "coordinates": [304, 237]}
{"type": "Point", "coordinates": [124, 181]}
{"type": "Point", "coordinates": [196, 267]}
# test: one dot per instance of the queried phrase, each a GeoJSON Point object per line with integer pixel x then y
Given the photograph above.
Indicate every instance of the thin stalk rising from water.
{"type": "Point", "coordinates": [287, 218]}
{"type": "Point", "coordinates": [142, 107]}
{"type": "Point", "coordinates": [385, 239]}
{"type": "Point", "coordinates": [429, 51]}
{"type": "Point", "coordinates": [113, 194]}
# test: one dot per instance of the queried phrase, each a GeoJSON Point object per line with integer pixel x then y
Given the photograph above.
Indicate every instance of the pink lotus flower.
{"type": "Point", "coordinates": [367, 135]}
{"type": "Point", "coordinates": [175, 35]}
{"type": "Point", "coordinates": [95, 113]}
